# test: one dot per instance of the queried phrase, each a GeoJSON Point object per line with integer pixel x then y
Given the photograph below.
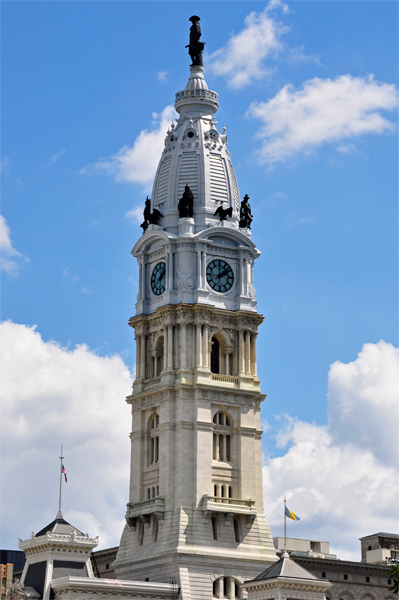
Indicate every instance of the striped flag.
{"type": "Point", "coordinates": [291, 515]}
{"type": "Point", "coordinates": [64, 472]}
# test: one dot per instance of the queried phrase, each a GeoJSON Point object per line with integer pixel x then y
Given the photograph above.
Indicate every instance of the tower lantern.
{"type": "Point", "coordinates": [195, 510]}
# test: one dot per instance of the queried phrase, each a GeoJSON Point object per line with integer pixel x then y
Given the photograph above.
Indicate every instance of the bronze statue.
{"type": "Point", "coordinates": [150, 218]}
{"type": "Point", "coordinates": [195, 47]}
{"type": "Point", "coordinates": [245, 213]}
{"type": "Point", "coordinates": [223, 213]}
{"type": "Point", "coordinates": [186, 204]}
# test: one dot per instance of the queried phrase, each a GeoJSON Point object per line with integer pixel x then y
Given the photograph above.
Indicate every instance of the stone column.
{"type": "Point", "coordinates": [170, 272]}
{"type": "Point", "coordinates": [137, 355]}
{"type": "Point", "coordinates": [241, 361]}
{"type": "Point", "coordinates": [241, 276]}
{"type": "Point", "coordinates": [198, 357]}
{"type": "Point", "coordinates": [245, 277]}
{"type": "Point", "coordinates": [170, 346]}
{"type": "Point", "coordinates": [203, 268]}
{"type": "Point", "coordinates": [206, 347]}
{"type": "Point", "coordinates": [48, 577]}
{"type": "Point", "coordinates": [142, 280]}
{"type": "Point", "coordinates": [183, 330]}
{"type": "Point", "coordinates": [253, 348]}
{"type": "Point", "coordinates": [231, 588]}
{"type": "Point", "coordinates": [248, 352]}
{"type": "Point", "coordinates": [142, 355]}
{"type": "Point", "coordinates": [165, 348]}
{"type": "Point", "coordinates": [219, 587]}
{"type": "Point", "coordinates": [199, 278]}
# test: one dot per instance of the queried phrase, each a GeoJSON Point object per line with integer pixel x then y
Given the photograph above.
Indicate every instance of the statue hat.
{"type": "Point", "coordinates": [194, 19]}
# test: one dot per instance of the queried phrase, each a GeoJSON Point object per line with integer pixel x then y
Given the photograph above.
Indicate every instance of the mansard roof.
{"type": "Point", "coordinates": [285, 568]}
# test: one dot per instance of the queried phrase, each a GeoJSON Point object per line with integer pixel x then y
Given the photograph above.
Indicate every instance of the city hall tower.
{"type": "Point", "coordinates": [195, 510]}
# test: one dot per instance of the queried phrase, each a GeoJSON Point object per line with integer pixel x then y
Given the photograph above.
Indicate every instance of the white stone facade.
{"type": "Point", "coordinates": [195, 510]}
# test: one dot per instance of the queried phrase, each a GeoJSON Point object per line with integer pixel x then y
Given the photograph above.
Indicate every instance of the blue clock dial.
{"type": "Point", "coordinates": [219, 275]}
{"type": "Point", "coordinates": [158, 277]}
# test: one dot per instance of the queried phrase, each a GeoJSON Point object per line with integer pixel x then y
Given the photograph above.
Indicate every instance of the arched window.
{"type": "Point", "coordinates": [153, 455]}
{"type": "Point", "coordinates": [158, 357]}
{"type": "Point", "coordinates": [222, 438]}
{"type": "Point", "coordinates": [215, 355]}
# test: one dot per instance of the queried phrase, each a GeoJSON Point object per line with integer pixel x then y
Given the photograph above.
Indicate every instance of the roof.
{"type": "Point", "coordinates": [59, 525]}
{"type": "Point", "coordinates": [380, 534]}
{"type": "Point", "coordinates": [285, 568]}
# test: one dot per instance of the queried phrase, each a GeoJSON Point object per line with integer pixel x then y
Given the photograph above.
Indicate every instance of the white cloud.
{"type": "Point", "coordinates": [294, 221]}
{"type": "Point", "coordinates": [51, 396]}
{"type": "Point", "coordinates": [56, 157]}
{"type": "Point", "coordinates": [135, 214]}
{"type": "Point", "coordinates": [138, 163]}
{"type": "Point", "coordinates": [162, 75]}
{"type": "Point", "coordinates": [241, 59]}
{"type": "Point", "coordinates": [323, 110]}
{"type": "Point", "coordinates": [363, 401]}
{"type": "Point", "coordinates": [336, 477]}
{"type": "Point", "coordinates": [10, 258]}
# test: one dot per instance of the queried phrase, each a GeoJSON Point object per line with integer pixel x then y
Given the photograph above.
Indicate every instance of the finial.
{"type": "Point", "coordinates": [195, 47]}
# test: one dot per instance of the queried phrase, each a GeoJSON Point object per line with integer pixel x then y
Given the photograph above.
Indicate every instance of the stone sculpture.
{"type": "Point", "coordinates": [186, 204]}
{"type": "Point", "coordinates": [245, 213]}
{"type": "Point", "coordinates": [223, 213]}
{"type": "Point", "coordinates": [195, 47]}
{"type": "Point", "coordinates": [150, 218]}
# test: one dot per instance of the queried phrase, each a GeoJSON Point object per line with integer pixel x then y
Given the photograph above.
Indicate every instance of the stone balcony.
{"type": "Point", "coordinates": [231, 507]}
{"type": "Point", "coordinates": [142, 511]}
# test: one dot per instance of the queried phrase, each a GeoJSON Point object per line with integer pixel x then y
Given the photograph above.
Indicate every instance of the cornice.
{"type": "Point", "coordinates": [197, 314]}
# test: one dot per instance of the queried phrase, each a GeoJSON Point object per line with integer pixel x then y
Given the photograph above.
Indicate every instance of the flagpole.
{"type": "Point", "coordinates": [285, 527]}
{"type": "Point", "coordinates": [59, 500]}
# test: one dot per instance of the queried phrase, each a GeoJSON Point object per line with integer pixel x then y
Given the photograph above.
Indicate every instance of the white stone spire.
{"type": "Point", "coordinates": [196, 154]}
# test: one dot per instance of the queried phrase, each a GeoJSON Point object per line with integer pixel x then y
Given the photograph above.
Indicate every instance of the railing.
{"type": "Point", "coordinates": [225, 379]}
{"type": "Point", "coordinates": [232, 501]}
{"type": "Point", "coordinates": [196, 94]}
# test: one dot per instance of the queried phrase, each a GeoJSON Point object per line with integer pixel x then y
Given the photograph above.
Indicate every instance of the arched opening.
{"type": "Point", "coordinates": [215, 356]}
{"type": "Point", "coordinates": [158, 358]}
{"type": "Point", "coordinates": [153, 454]}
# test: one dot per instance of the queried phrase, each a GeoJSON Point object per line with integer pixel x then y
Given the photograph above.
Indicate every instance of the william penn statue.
{"type": "Point", "coordinates": [195, 47]}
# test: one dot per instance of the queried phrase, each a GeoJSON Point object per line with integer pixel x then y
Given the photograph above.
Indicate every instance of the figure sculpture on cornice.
{"type": "Point", "coordinates": [245, 213]}
{"type": "Point", "coordinates": [150, 218]}
{"type": "Point", "coordinates": [186, 204]}
{"type": "Point", "coordinates": [195, 47]}
{"type": "Point", "coordinates": [16, 591]}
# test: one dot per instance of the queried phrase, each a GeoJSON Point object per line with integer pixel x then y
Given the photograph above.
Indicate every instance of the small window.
{"type": "Point", "coordinates": [237, 530]}
{"type": "Point", "coordinates": [389, 581]}
{"type": "Point", "coordinates": [230, 491]}
{"type": "Point", "coordinates": [155, 529]}
{"type": "Point", "coordinates": [149, 493]}
{"type": "Point", "coordinates": [369, 548]}
{"type": "Point", "coordinates": [190, 134]}
{"type": "Point", "coordinates": [141, 533]}
{"type": "Point", "coordinates": [323, 574]}
{"type": "Point", "coordinates": [225, 587]}
{"type": "Point", "coordinates": [147, 579]}
{"type": "Point", "coordinates": [215, 528]}
{"type": "Point", "coordinates": [107, 566]}
{"type": "Point", "coordinates": [157, 490]}
{"type": "Point", "coordinates": [367, 579]}
{"type": "Point", "coordinates": [345, 576]}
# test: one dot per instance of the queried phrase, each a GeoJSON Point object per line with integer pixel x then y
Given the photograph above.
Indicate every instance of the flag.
{"type": "Point", "coordinates": [64, 472]}
{"type": "Point", "coordinates": [291, 515]}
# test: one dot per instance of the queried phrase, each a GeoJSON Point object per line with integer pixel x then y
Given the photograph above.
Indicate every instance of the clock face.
{"type": "Point", "coordinates": [219, 275]}
{"type": "Point", "coordinates": [158, 279]}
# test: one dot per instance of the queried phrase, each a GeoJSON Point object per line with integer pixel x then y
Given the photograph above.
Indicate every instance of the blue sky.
{"type": "Point", "coordinates": [311, 116]}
